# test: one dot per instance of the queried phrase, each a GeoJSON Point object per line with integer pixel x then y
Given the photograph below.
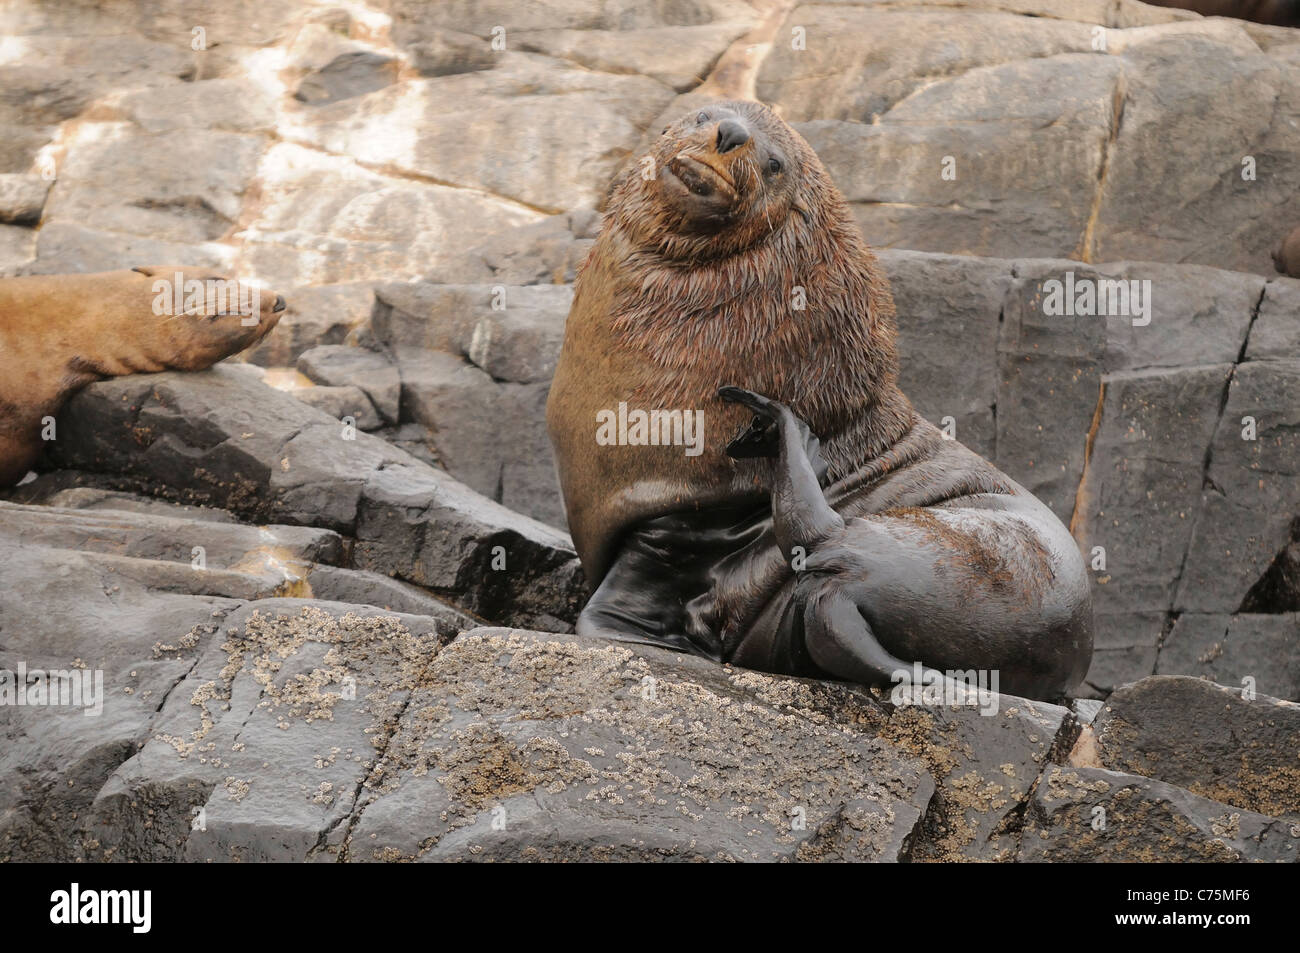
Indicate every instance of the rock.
{"type": "Point", "coordinates": [64, 247]}
{"type": "Point", "coordinates": [46, 491]}
{"type": "Point", "coordinates": [584, 125]}
{"type": "Point", "coordinates": [315, 316]}
{"type": "Point", "coordinates": [22, 197]}
{"type": "Point", "coordinates": [941, 300]}
{"type": "Point", "coordinates": [677, 56]}
{"type": "Point", "coordinates": [524, 746]}
{"type": "Point", "coordinates": [339, 366]}
{"type": "Point", "coordinates": [414, 19]}
{"type": "Point", "coordinates": [546, 252]}
{"type": "Point", "coordinates": [1251, 493]}
{"type": "Point", "coordinates": [17, 249]}
{"type": "Point", "coordinates": [231, 104]}
{"type": "Point", "coordinates": [115, 178]}
{"type": "Point", "coordinates": [260, 755]}
{"type": "Point", "coordinates": [1139, 496]}
{"type": "Point", "coordinates": [1229, 649]}
{"type": "Point", "coordinates": [450, 52]}
{"type": "Point", "coordinates": [226, 439]}
{"type": "Point", "coordinates": [513, 333]}
{"type": "Point", "coordinates": [1048, 142]}
{"type": "Point", "coordinates": [1276, 332]}
{"type": "Point", "coordinates": [423, 527]}
{"type": "Point", "coordinates": [327, 219]}
{"type": "Point", "coordinates": [984, 765]}
{"type": "Point", "coordinates": [142, 535]}
{"type": "Point", "coordinates": [1206, 738]}
{"type": "Point", "coordinates": [1143, 820]}
{"type": "Point", "coordinates": [345, 76]}
{"type": "Point", "coordinates": [477, 375]}
{"type": "Point", "coordinates": [349, 404]}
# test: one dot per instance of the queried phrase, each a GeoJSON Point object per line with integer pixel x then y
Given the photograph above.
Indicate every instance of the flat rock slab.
{"type": "Point", "coordinates": [527, 746]}
{"type": "Point", "coordinates": [1092, 815]}
{"type": "Point", "coordinates": [1210, 739]}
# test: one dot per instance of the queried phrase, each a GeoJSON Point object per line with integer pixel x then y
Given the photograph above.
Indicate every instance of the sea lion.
{"type": "Point", "coordinates": [1286, 259]}
{"type": "Point", "coordinates": [728, 259]}
{"type": "Point", "coordinates": [60, 332]}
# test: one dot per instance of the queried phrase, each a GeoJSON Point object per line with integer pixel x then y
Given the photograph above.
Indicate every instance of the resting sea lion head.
{"type": "Point", "coordinates": [719, 180]}
{"type": "Point", "coordinates": [203, 316]}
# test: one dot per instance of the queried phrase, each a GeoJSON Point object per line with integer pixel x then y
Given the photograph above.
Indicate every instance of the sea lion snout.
{"type": "Point", "coordinates": [732, 134]}
{"type": "Point", "coordinates": [719, 180]}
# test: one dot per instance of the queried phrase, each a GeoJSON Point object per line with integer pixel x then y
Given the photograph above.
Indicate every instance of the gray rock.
{"type": "Point", "coordinates": [677, 56]}
{"type": "Point", "coordinates": [546, 252]}
{"type": "Point", "coordinates": [1229, 649]}
{"type": "Point", "coordinates": [66, 247]}
{"type": "Point", "coordinates": [524, 746]}
{"type": "Point", "coordinates": [261, 753]}
{"type": "Point", "coordinates": [949, 310]}
{"type": "Point", "coordinates": [512, 333]}
{"type": "Point", "coordinates": [449, 52]}
{"type": "Point", "coordinates": [117, 179]}
{"type": "Point", "coordinates": [1276, 332]}
{"type": "Point", "coordinates": [344, 403]}
{"type": "Point", "coordinates": [1139, 496]}
{"type": "Point", "coordinates": [225, 439]}
{"type": "Point", "coordinates": [1213, 740]}
{"type": "Point", "coordinates": [584, 125]}
{"type": "Point", "coordinates": [1143, 820]}
{"type": "Point", "coordinates": [340, 366]}
{"type": "Point", "coordinates": [1054, 141]}
{"type": "Point", "coordinates": [22, 197]}
{"type": "Point", "coordinates": [345, 76]}
{"type": "Point", "coordinates": [155, 537]}
{"type": "Point", "coordinates": [1251, 493]}
{"type": "Point", "coordinates": [319, 316]}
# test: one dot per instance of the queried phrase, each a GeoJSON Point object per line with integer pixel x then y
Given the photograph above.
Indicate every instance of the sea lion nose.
{"type": "Point", "coordinates": [731, 135]}
{"type": "Point", "coordinates": [279, 304]}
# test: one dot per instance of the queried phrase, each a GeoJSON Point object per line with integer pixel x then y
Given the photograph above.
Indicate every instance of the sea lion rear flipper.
{"type": "Point", "coordinates": [801, 515]}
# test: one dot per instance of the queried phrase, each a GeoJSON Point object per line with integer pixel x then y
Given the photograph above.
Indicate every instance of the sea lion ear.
{"type": "Point", "coordinates": [144, 271]}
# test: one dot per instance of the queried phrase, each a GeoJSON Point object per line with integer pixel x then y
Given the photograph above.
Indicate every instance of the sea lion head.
{"type": "Point", "coordinates": [205, 317]}
{"type": "Point", "coordinates": [718, 181]}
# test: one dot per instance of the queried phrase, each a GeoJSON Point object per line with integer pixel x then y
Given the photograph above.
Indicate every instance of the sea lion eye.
{"type": "Point", "coordinates": [774, 165]}
{"type": "Point", "coordinates": [702, 117]}
{"type": "Point", "coordinates": [664, 131]}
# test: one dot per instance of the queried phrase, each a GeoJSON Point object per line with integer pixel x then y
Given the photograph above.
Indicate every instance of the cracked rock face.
{"type": "Point", "coordinates": [273, 589]}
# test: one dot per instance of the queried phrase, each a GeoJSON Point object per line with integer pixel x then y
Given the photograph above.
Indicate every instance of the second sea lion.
{"type": "Point", "coordinates": [60, 332]}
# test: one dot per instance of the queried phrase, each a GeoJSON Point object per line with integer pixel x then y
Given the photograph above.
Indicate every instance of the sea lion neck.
{"type": "Point", "coordinates": [805, 316]}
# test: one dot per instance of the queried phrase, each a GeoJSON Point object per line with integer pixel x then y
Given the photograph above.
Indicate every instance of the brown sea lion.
{"type": "Point", "coordinates": [1286, 259]}
{"type": "Point", "coordinates": [728, 257]}
{"type": "Point", "coordinates": [60, 332]}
